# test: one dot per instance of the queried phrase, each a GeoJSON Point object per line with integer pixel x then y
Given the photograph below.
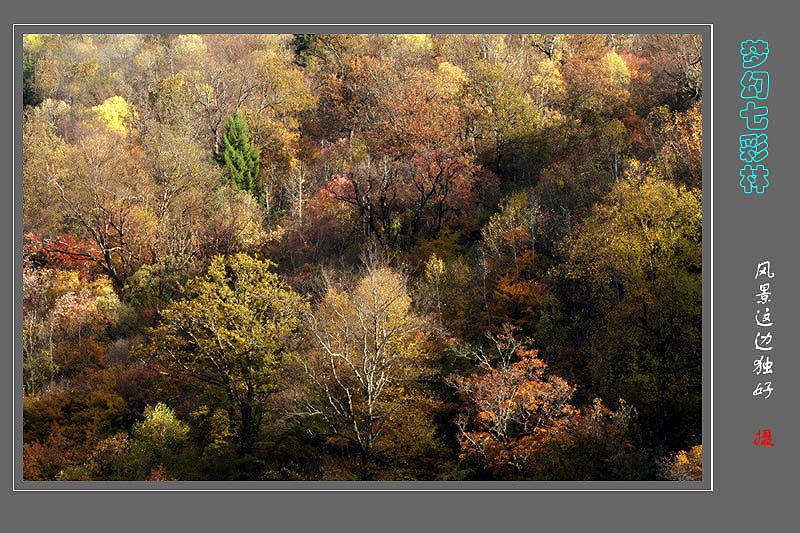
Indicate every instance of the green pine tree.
{"type": "Point", "coordinates": [240, 157]}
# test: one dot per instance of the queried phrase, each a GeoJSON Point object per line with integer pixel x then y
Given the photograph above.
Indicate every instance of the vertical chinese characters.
{"type": "Point", "coordinates": [762, 344]}
{"type": "Point", "coordinates": [754, 145]}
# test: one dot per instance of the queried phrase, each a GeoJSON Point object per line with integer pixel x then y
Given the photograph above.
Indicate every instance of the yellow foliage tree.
{"type": "Point", "coordinates": [114, 114]}
{"type": "Point", "coordinates": [368, 349]}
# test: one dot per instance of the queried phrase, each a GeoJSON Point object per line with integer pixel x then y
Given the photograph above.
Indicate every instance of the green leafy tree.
{"type": "Point", "coordinates": [31, 96]}
{"type": "Point", "coordinates": [241, 158]}
{"type": "Point", "coordinates": [158, 439]}
{"type": "Point", "coordinates": [639, 253]}
{"type": "Point", "coordinates": [231, 333]}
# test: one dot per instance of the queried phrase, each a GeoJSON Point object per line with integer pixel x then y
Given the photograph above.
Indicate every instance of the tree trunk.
{"type": "Point", "coordinates": [248, 432]}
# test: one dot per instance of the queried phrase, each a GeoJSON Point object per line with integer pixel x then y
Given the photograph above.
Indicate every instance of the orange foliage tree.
{"type": "Point", "coordinates": [514, 408]}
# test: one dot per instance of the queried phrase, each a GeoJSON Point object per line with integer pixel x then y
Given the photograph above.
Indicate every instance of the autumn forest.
{"type": "Point", "coordinates": [362, 257]}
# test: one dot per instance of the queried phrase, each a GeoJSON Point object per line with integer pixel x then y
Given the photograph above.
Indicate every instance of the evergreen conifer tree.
{"type": "Point", "coordinates": [240, 157]}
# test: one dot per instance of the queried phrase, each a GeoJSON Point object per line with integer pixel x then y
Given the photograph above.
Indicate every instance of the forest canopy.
{"type": "Point", "coordinates": [362, 257]}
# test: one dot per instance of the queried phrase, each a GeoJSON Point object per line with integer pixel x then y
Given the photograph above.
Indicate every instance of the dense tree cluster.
{"type": "Point", "coordinates": [372, 257]}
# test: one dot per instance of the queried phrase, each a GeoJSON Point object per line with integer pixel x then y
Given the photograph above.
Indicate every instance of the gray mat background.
{"type": "Point", "coordinates": [752, 487]}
